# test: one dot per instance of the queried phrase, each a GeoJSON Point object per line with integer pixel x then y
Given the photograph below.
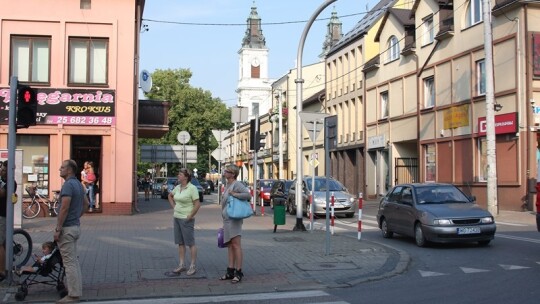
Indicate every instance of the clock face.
{"type": "Point", "coordinates": [255, 62]}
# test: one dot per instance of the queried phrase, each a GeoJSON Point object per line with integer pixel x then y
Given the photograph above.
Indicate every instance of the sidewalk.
{"type": "Point", "coordinates": [125, 257]}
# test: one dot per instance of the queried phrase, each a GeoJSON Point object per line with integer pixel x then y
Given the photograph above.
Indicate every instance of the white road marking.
{"type": "Point", "coordinates": [518, 238]}
{"type": "Point", "coordinates": [513, 267]}
{"type": "Point", "coordinates": [510, 224]}
{"type": "Point", "coordinates": [430, 273]}
{"type": "Point", "coordinates": [472, 270]}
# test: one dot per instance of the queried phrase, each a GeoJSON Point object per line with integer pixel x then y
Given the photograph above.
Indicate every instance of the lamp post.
{"type": "Point", "coordinates": [280, 134]}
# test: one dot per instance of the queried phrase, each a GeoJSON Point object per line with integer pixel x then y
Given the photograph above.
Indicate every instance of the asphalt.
{"type": "Point", "coordinates": [128, 257]}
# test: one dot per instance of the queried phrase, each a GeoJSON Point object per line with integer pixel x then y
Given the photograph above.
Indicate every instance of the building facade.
{"type": "Point", "coordinates": [82, 57]}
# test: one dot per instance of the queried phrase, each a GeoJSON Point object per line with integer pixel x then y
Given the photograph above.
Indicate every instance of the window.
{"type": "Point", "coordinates": [384, 105]}
{"type": "Point", "coordinates": [429, 92]}
{"type": "Point", "coordinates": [481, 77]}
{"type": "Point", "coordinates": [482, 156]}
{"type": "Point", "coordinates": [474, 12]}
{"type": "Point", "coordinates": [429, 31]}
{"type": "Point", "coordinates": [254, 108]}
{"type": "Point", "coordinates": [30, 58]}
{"type": "Point", "coordinates": [431, 165]}
{"type": "Point", "coordinates": [393, 49]}
{"type": "Point", "coordinates": [88, 62]}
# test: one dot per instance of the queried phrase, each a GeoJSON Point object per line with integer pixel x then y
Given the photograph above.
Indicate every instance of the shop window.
{"type": "Point", "coordinates": [482, 163]}
{"type": "Point", "coordinates": [35, 162]}
{"type": "Point", "coordinates": [88, 61]}
{"type": "Point", "coordinates": [431, 165]}
{"type": "Point", "coordinates": [30, 59]}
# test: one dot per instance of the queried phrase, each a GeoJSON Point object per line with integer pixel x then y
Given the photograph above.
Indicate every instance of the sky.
{"type": "Point", "coordinates": [205, 36]}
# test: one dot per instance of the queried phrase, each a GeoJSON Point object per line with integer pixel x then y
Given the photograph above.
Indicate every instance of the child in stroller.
{"type": "Point", "coordinates": [47, 270]}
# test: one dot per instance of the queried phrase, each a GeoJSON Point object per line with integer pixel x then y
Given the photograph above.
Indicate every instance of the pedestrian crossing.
{"type": "Point", "coordinates": [309, 296]}
{"type": "Point", "coordinates": [469, 270]}
{"type": "Point", "coordinates": [369, 223]}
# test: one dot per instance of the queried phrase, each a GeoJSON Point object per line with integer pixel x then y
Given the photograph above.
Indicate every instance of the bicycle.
{"type": "Point", "coordinates": [31, 209]}
{"type": "Point", "coordinates": [22, 247]}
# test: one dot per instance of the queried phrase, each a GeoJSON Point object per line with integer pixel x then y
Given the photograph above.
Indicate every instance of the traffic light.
{"type": "Point", "coordinates": [26, 106]}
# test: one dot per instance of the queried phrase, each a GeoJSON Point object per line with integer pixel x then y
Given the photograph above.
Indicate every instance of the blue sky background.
{"type": "Point", "coordinates": [211, 51]}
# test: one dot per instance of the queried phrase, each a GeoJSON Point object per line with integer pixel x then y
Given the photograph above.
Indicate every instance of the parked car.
{"type": "Point", "coordinates": [434, 212]}
{"type": "Point", "coordinates": [197, 184]}
{"type": "Point", "coordinates": [157, 185]}
{"type": "Point", "coordinates": [168, 187]}
{"type": "Point", "coordinates": [280, 189]}
{"type": "Point", "coordinates": [263, 191]}
{"type": "Point", "coordinates": [344, 202]}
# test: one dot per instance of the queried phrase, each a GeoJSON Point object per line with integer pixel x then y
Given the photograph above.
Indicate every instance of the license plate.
{"type": "Point", "coordinates": [468, 230]}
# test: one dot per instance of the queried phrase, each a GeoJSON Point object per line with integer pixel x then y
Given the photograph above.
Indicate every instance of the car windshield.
{"type": "Point", "coordinates": [440, 195]}
{"type": "Point", "coordinates": [266, 184]}
{"type": "Point", "coordinates": [320, 184]}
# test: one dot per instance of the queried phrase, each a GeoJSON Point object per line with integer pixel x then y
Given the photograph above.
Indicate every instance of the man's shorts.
{"type": "Point", "coordinates": [2, 230]}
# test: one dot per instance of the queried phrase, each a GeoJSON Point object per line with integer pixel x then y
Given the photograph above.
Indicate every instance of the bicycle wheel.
{"type": "Point", "coordinates": [54, 206]}
{"type": "Point", "coordinates": [30, 209]}
{"type": "Point", "coordinates": [22, 247]}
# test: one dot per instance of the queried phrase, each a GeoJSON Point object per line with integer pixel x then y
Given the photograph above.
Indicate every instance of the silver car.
{"type": "Point", "coordinates": [434, 212]}
{"type": "Point", "coordinates": [344, 202]}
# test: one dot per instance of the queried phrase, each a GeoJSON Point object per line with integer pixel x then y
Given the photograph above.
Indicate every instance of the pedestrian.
{"type": "Point", "coordinates": [72, 205]}
{"type": "Point", "coordinates": [147, 183]}
{"type": "Point", "coordinates": [89, 182]}
{"type": "Point", "coordinates": [3, 212]}
{"type": "Point", "coordinates": [184, 199]}
{"type": "Point", "coordinates": [232, 228]}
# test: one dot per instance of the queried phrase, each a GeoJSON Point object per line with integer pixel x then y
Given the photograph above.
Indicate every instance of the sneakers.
{"type": "Point", "coordinates": [179, 269]}
{"type": "Point", "coordinates": [192, 270]}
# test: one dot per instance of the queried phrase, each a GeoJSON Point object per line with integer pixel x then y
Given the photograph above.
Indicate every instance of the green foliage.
{"type": "Point", "coordinates": [193, 110]}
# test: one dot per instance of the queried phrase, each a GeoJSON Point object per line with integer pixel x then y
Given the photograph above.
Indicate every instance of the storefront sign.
{"type": "Point", "coordinates": [504, 123]}
{"type": "Point", "coordinates": [68, 106]}
{"type": "Point", "coordinates": [375, 142]}
{"type": "Point", "coordinates": [455, 117]}
{"type": "Point", "coordinates": [536, 54]}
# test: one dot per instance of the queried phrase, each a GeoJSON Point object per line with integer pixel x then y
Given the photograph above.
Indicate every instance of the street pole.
{"type": "Point", "coordinates": [12, 143]}
{"type": "Point", "coordinates": [490, 112]}
{"type": "Point", "coordinates": [280, 134]}
{"type": "Point", "coordinates": [255, 149]}
{"type": "Point", "coordinates": [299, 83]}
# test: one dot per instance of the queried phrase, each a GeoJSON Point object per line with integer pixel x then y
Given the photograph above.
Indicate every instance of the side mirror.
{"type": "Point", "coordinates": [472, 198]}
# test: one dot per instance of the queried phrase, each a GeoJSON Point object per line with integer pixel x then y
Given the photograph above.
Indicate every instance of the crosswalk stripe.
{"type": "Point", "coordinates": [506, 236]}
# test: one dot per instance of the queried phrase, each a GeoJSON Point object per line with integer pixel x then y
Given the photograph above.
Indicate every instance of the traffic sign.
{"type": "Point", "coordinates": [220, 134]}
{"type": "Point", "coordinates": [219, 154]}
{"type": "Point", "coordinates": [314, 163]}
{"type": "Point", "coordinates": [313, 122]}
{"type": "Point", "coordinates": [183, 137]}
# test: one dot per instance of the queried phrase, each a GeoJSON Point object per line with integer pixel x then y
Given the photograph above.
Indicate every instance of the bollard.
{"type": "Point", "coordinates": [310, 211]}
{"type": "Point", "coordinates": [262, 202]}
{"type": "Point", "coordinates": [252, 200]}
{"type": "Point", "coordinates": [332, 199]}
{"type": "Point", "coordinates": [360, 202]}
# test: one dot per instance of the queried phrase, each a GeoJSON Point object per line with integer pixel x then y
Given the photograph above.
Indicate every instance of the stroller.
{"type": "Point", "coordinates": [50, 272]}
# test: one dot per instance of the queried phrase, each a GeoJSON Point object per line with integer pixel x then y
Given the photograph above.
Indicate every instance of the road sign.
{"type": "Point", "coordinates": [313, 122]}
{"type": "Point", "coordinates": [314, 163]}
{"type": "Point", "coordinates": [183, 137]}
{"type": "Point", "coordinates": [219, 154]}
{"type": "Point", "coordinates": [168, 153]}
{"type": "Point", "coordinates": [220, 134]}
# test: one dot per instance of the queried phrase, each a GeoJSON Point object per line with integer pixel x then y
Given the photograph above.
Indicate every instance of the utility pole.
{"type": "Point", "coordinates": [490, 112]}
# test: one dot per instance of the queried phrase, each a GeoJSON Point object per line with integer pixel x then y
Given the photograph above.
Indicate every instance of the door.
{"type": "Point", "coordinates": [88, 148]}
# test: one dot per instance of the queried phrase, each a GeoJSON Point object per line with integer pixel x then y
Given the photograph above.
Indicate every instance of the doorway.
{"type": "Point", "coordinates": [88, 148]}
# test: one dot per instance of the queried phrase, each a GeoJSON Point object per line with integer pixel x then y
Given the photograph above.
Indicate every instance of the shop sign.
{"type": "Point", "coordinates": [504, 123]}
{"type": "Point", "coordinates": [456, 117]}
{"type": "Point", "coordinates": [375, 142]}
{"type": "Point", "coordinates": [536, 54]}
{"type": "Point", "coordinates": [68, 106]}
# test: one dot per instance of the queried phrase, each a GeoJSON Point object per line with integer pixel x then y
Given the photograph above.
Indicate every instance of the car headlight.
{"type": "Point", "coordinates": [442, 222]}
{"type": "Point", "coordinates": [352, 200]}
{"type": "Point", "coordinates": [486, 220]}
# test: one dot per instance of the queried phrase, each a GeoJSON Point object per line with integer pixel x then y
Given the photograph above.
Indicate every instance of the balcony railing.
{"type": "Point", "coordinates": [153, 118]}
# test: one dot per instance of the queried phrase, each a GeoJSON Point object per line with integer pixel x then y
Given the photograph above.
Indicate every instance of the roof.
{"type": "Point", "coordinates": [403, 16]}
{"type": "Point", "coordinates": [362, 27]}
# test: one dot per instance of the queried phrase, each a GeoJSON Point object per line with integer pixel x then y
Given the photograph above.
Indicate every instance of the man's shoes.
{"type": "Point", "coordinates": [68, 299]}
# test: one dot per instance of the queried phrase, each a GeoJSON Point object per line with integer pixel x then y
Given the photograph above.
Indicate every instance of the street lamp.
{"type": "Point", "coordinates": [280, 133]}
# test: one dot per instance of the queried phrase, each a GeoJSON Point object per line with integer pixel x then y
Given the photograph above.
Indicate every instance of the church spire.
{"type": "Point", "coordinates": [333, 33]}
{"type": "Point", "coordinates": [254, 37]}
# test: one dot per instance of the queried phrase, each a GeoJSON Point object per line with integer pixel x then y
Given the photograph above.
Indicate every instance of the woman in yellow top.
{"type": "Point", "coordinates": [184, 199]}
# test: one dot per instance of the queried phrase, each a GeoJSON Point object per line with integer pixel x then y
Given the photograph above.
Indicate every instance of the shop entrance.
{"type": "Point", "coordinates": [88, 148]}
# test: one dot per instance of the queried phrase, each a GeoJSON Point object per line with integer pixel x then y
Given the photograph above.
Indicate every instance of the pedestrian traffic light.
{"type": "Point", "coordinates": [26, 106]}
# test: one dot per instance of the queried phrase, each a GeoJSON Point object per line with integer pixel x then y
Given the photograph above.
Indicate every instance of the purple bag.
{"type": "Point", "coordinates": [220, 235]}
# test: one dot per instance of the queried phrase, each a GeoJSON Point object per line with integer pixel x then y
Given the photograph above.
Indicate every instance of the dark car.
{"type": "Point", "coordinates": [263, 190]}
{"type": "Point", "coordinates": [211, 185]}
{"type": "Point", "coordinates": [434, 212]}
{"type": "Point", "coordinates": [197, 184]}
{"type": "Point", "coordinates": [205, 186]}
{"type": "Point", "coordinates": [344, 203]}
{"type": "Point", "coordinates": [280, 189]}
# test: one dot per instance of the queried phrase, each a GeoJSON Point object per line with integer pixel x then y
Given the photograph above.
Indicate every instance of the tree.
{"type": "Point", "coordinates": [193, 110]}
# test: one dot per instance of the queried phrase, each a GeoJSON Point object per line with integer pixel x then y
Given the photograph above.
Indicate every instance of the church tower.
{"type": "Point", "coordinates": [333, 34]}
{"type": "Point", "coordinates": [254, 88]}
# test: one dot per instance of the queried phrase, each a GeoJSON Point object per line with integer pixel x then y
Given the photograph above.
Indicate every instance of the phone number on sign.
{"type": "Point", "coordinates": [80, 120]}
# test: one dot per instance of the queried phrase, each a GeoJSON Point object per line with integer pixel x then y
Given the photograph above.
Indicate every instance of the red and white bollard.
{"type": "Point", "coordinates": [332, 214]}
{"type": "Point", "coordinates": [252, 200]}
{"type": "Point", "coordinates": [360, 202]}
{"type": "Point", "coordinates": [310, 211]}
{"type": "Point", "coordinates": [262, 202]}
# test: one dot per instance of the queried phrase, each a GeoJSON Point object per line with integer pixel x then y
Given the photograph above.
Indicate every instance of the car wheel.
{"type": "Point", "coordinates": [387, 234]}
{"type": "Point", "coordinates": [484, 243]}
{"type": "Point", "coordinates": [419, 236]}
{"type": "Point", "coordinates": [292, 211]}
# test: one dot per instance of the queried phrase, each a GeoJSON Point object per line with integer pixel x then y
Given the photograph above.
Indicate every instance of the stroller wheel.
{"type": "Point", "coordinates": [21, 293]}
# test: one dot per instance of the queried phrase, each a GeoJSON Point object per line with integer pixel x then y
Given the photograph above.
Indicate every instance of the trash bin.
{"type": "Point", "coordinates": [279, 212]}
